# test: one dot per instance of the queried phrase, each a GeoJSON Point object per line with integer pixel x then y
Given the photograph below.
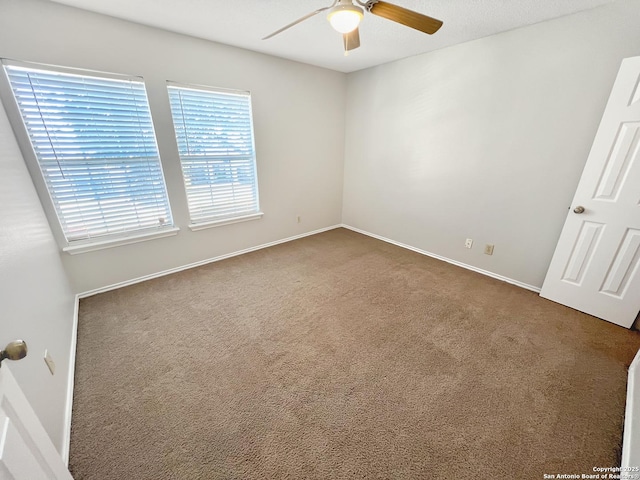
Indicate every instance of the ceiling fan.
{"type": "Point", "coordinates": [345, 16]}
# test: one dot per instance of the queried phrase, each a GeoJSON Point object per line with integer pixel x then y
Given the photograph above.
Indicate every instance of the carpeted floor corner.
{"type": "Point", "coordinates": [338, 356]}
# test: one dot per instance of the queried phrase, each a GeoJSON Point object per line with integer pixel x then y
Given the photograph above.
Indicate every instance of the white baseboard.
{"type": "Point", "coordinates": [445, 259]}
{"type": "Point", "coordinates": [202, 262]}
{"type": "Point", "coordinates": [72, 364]}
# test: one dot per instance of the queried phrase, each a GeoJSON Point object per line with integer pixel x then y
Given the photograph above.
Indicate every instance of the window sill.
{"type": "Point", "coordinates": [227, 221]}
{"type": "Point", "coordinates": [101, 245]}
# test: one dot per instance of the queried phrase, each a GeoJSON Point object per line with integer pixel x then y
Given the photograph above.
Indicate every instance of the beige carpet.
{"type": "Point", "coordinates": [340, 356]}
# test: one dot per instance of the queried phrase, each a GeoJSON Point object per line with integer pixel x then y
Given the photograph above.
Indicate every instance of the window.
{"type": "Point", "coordinates": [214, 132]}
{"type": "Point", "coordinates": [94, 142]}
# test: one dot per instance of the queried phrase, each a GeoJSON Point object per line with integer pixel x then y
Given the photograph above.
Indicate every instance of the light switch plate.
{"type": "Point", "coordinates": [50, 363]}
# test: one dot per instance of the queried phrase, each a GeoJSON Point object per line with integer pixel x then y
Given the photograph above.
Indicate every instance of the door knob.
{"type": "Point", "coordinates": [578, 209]}
{"type": "Point", "coordinates": [14, 351]}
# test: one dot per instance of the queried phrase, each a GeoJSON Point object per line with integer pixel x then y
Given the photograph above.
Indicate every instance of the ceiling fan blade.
{"type": "Point", "coordinates": [406, 17]}
{"type": "Point", "coordinates": [351, 40]}
{"type": "Point", "coordinates": [296, 22]}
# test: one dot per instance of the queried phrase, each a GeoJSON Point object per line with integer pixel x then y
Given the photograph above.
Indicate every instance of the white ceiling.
{"type": "Point", "coordinates": [244, 23]}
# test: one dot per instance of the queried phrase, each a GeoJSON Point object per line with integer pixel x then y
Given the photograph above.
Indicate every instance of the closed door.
{"type": "Point", "coordinates": [26, 452]}
{"type": "Point", "coordinates": [595, 266]}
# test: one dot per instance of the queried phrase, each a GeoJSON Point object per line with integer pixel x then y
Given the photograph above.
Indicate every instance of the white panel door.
{"type": "Point", "coordinates": [26, 452]}
{"type": "Point", "coordinates": [595, 266]}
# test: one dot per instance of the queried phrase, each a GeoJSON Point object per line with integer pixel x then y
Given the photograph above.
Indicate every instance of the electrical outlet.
{"type": "Point", "coordinates": [299, 218]}
{"type": "Point", "coordinates": [468, 243]}
{"type": "Point", "coordinates": [488, 249]}
{"type": "Point", "coordinates": [50, 363]}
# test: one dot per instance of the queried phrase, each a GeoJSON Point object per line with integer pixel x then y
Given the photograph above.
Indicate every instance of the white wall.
{"type": "Point", "coordinates": [36, 298]}
{"type": "Point", "coordinates": [298, 115]}
{"type": "Point", "coordinates": [484, 140]}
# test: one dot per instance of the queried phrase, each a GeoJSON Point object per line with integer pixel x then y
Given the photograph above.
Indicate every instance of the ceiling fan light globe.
{"type": "Point", "coordinates": [345, 18]}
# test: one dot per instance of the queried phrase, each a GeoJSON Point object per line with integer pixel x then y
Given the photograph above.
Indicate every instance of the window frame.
{"type": "Point", "coordinates": [20, 129]}
{"type": "Point", "coordinates": [237, 217]}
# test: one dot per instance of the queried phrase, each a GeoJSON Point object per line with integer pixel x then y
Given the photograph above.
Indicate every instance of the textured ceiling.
{"type": "Point", "coordinates": [244, 23]}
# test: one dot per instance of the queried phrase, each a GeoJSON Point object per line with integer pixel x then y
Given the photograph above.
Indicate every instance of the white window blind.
{"type": "Point", "coordinates": [214, 131]}
{"type": "Point", "coordinates": [95, 144]}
